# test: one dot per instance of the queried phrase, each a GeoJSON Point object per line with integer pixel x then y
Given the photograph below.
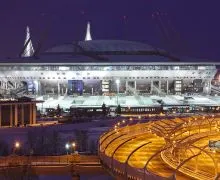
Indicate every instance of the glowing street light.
{"type": "Point", "coordinates": [73, 146]}
{"type": "Point", "coordinates": [67, 146]}
{"type": "Point", "coordinates": [17, 145]}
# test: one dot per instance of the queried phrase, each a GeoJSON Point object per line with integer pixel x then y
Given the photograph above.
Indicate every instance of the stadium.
{"type": "Point", "coordinates": [92, 72]}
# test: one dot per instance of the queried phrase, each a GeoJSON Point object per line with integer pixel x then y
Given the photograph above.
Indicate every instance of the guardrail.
{"type": "Point", "coordinates": [15, 160]}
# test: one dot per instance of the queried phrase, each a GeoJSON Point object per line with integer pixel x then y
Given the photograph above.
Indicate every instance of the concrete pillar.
{"type": "Point", "coordinates": [16, 115]}
{"type": "Point", "coordinates": [22, 114]}
{"type": "Point", "coordinates": [0, 115]}
{"type": "Point", "coordinates": [160, 85]}
{"type": "Point", "coordinates": [58, 88]}
{"type": "Point", "coordinates": [34, 113]}
{"type": "Point", "coordinates": [151, 86]}
{"type": "Point", "coordinates": [167, 86]}
{"type": "Point", "coordinates": [126, 85]}
{"type": "Point", "coordinates": [39, 88]}
{"type": "Point", "coordinates": [31, 114]}
{"type": "Point", "coordinates": [11, 115]}
{"type": "Point", "coordinates": [135, 85]}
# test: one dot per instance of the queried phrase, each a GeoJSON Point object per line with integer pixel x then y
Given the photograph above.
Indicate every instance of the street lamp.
{"type": "Point", "coordinates": [67, 146]}
{"type": "Point", "coordinates": [17, 145]}
{"type": "Point", "coordinates": [117, 83]}
{"type": "Point", "coordinates": [73, 146]}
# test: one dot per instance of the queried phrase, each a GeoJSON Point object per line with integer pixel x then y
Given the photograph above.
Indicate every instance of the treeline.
{"type": "Point", "coordinates": [43, 141]}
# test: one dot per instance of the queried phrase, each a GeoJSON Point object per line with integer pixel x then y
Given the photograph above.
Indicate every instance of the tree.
{"type": "Point", "coordinates": [104, 109]}
{"type": "Point", "coordinates": [81, 139]}
{"type": "Point", "coordinates": [58, 110]}
{"type": "Point", "coordinates": [93, 147]}
{"type": "Point", "coordinates": [3, 148]}
{"type": "Point", "coordinates": [31, 141]}
{"type": "Point", "coordinates": [55, 142]}
{"type": "Point", "coordinates": [118, 110]}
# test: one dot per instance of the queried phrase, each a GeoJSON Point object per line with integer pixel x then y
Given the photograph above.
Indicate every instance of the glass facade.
{"type": "Point", "coordinates": [102, 67]}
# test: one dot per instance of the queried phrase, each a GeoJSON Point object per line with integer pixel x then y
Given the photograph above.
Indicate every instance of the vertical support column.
{"type": "Point", "coordinates": [11, 115]}
{"type": "Point", "coordinates": [126, 86]}
{"type": "Point", "coordinates": [22, 114]}
{"type": "Point", "coordinates": [0, 115]}
{"type": "Point", "coordinates": [135, 87]}
{"type": "Point", "coordinates": [58, 89]}
{"type": "Point", "coordinates": [167, 87]}
{"type": "Point", "coordinates": [16, 115]}
{"type": "Point", "coordinates": [151, 86]}
{"type": "Point", "coordinates": [38, 88]}
{"type": "Point", "coordinates": [160, 85]}
{"type": "Point", "coordinates": [34, 113]}
{"type": "Point", "coordinates": [30, 113]}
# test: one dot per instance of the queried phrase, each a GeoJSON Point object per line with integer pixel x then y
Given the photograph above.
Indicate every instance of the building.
{"type": "Point", "coordinates": [18, 112]}
{"type": "Point", "coordinates": [104, 67]}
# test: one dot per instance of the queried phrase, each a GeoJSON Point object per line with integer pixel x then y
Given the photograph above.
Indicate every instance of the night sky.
{"type": "Point", "coordinates": [186, 27]}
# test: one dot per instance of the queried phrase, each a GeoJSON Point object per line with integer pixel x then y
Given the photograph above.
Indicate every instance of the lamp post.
{"type": "Point", "coordinates": [67, 146]}
{"type": "Point", "coordinates": [117, 83]}
{"type": "Point", "coordinates": [17, 146]}
{"type": "Point", "coordinates": [73, 146]}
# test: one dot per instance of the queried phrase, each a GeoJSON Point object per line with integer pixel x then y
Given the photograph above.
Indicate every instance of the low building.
{"type": "Point", "coordinates": [16, 112]}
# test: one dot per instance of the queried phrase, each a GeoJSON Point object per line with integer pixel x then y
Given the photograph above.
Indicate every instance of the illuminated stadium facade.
{"type": "Point", "coordinates": [104, 67]}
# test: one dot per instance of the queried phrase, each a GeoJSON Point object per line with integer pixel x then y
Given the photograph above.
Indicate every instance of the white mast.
{"type": "Point", "coordinates": [29, 50]}
{"type": "Point", "coordinates": [88, 33]}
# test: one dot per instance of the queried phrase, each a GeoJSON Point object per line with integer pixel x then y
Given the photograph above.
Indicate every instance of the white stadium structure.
{"type": "Point", "coordinates": [93, 72]}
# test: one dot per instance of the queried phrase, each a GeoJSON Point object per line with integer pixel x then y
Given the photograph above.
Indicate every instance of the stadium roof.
{"type": "Point", "coordinates": [104, 51]}
{"type": "Point", "coordinates": [102, 46]}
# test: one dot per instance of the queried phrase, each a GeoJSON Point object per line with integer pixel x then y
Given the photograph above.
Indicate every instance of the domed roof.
{"type": "Point", "coordinates": [101, 46]}
{"type": "Point", "coordinates": [111, 49]}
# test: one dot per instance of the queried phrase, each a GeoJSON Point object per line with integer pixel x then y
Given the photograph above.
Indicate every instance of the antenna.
{"type": "Point", "coordinates": [88, 33]}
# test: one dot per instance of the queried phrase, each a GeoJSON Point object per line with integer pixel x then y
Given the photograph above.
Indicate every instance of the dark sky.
{"type": "Point", "coordinates": [189, 27]}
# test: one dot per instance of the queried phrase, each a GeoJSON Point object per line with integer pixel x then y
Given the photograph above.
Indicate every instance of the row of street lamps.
{"type": "Point", "coordinates": [68, 146]}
